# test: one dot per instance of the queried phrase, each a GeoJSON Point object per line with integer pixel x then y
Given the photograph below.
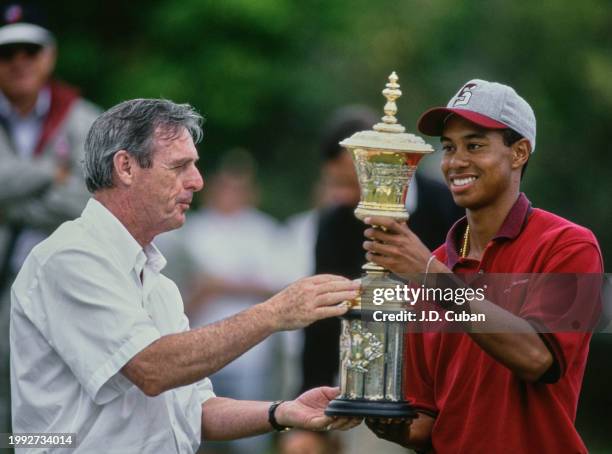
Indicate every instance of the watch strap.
{"type": "Point", "coordinates": [272, 417]}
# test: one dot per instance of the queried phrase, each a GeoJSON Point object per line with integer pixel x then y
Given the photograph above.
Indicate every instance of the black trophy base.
{"type": "Point", "coordinates": [370, 408]}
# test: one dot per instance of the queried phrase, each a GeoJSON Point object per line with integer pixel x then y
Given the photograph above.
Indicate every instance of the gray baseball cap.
{"type": "Point", "coordinates": [490, 105]}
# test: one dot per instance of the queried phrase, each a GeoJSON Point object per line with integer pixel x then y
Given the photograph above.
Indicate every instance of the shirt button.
{"type": "Point", "coordinates": [481, 271]}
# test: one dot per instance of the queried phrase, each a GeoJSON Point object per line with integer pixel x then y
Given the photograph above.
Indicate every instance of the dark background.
{"type": "Point", "coordinates": [267, 73]}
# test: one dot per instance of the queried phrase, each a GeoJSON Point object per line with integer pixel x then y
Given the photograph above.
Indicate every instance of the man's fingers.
{"type": "Point", "coordinates": [337, 286]}
{"type": "Point", "coordinates": [378, 429]}
{"type": "Point", "coordinates": [381, 249]}
{"type": "Point", "coordinates": [381, 260]}
{"type": "Point", "coordinates": [379, 235]}
{"type": "Point", "coordinates": [320, 423]}
{"type": "Point", "coordinates": [330, 392]}
{"type": "Point", "coordinates": [331, 311]}
{"type": "Point", "coordinates": [345, 423]}
{"type": "Point", "coordinates": [329, 299]}
{"type": "Point", "coordinates": [386, 222]}
{"type": "Point", "coordinates": [324, 278]}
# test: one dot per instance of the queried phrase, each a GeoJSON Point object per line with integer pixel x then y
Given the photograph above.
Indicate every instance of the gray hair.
{"type": "Point", "coordinates": [134, 126]}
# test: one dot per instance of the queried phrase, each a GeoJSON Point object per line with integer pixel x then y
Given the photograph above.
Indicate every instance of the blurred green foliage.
{"type": "Point", "coordinates": [267, 74]}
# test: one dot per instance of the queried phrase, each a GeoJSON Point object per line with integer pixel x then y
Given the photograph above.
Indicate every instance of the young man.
{"type": "Point", "coordinates": [99, 343]}
{"type": "Point", "coordinates": [512, 387]}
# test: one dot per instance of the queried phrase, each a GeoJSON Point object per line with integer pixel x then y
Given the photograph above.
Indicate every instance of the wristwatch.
{"type": "Point", "coordinates": [272, 418]}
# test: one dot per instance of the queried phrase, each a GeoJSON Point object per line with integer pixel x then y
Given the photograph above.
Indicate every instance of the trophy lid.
{"type": "Point", "coordinates": [389, 134]}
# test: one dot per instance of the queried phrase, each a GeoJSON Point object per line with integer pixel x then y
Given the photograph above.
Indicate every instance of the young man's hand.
{"type": "Point", "coordinates": [410, 433]}
{"type": "Point", "coordinates": [393, 430]}
{"type": "Point", "coordinates": [395, 247]}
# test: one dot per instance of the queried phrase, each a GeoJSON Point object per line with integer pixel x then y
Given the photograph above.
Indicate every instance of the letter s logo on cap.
{"type": "Point", "coordinates": [463, 97]}
{"type": "Point", "coordinates": [13, 14]}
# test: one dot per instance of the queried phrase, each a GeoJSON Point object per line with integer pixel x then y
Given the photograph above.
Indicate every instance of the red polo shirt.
{"type": "Point", "coordinates": [479, 405]}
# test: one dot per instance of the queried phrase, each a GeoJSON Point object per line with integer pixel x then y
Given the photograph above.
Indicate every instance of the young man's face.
{"type": "Point", "coordinates": [476, 164]}
{"type": "Point", "coordinates": [165, 190]}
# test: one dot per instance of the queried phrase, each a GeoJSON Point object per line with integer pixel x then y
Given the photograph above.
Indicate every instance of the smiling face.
{"type": "Point", "coordinates": [163, 193]}
{"type": "Point", "coordinates": [478, 167]}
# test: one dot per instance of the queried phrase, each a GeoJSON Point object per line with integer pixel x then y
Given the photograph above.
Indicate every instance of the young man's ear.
{"type": "Point", "coordinates": [123, 167]}
{"type": "Point", "coordinates": [521, 151]}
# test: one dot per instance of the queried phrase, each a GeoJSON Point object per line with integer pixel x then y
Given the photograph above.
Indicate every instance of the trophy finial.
{"type": "Point", "coordinates": [391, 92]}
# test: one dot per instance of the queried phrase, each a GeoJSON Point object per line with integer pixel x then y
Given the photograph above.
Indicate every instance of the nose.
{"type": "Point", "coordinates": [458, 159]}
{"type": "Point", "coordinates": [20, 56]}
{"type": "Point", "coordinates": [195, 181]}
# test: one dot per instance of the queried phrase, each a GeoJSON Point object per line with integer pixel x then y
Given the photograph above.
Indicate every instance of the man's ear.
{"type": "Point", "coordinates": [521, 151]}
{"type": "Point", "coordinates": [124, 166]}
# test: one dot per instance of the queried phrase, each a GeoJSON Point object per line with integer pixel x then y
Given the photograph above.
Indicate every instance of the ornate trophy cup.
{"type": "Point", "coordinates": [371, 353]}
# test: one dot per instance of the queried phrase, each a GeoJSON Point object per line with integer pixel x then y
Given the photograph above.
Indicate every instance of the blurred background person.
{"type": "Point", "coordinates": [339, 250]}
{"type": "Point", "coordinates": [336, 186]}
{"type": "Point", "coordinates": [231, 246]}
{"type": "Point", "coordinates": [43, 125]}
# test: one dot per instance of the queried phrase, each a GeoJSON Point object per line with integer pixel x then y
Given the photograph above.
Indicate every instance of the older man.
{"type": "Point", "coordinates": [100, 345]}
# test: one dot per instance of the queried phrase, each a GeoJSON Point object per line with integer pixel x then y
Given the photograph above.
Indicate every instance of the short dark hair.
{"type": "Point", "coordinates": [343, 123]}
{"type": "Point", "coordinates": [510, 137]}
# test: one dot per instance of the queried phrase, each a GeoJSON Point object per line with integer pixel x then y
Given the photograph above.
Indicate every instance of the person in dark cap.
{"type": "Point", "coordinates": [509, 383]}
{"type": "Point", "coordinates": [43, 125]}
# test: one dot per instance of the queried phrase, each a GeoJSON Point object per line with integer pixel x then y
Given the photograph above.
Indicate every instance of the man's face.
{"type": "Point", "coordinates": [476, 164]}
{"type": "Point", "coordinates": [163, 192]}
{"type": "Point", "coordinates": [340, 182]}
{"type": "Point", "coordinates": [25, 69]}
{"type": "Point", "coordinates": [231, 192]}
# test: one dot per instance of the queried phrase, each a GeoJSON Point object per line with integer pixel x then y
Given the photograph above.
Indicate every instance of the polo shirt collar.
{"type": "Point", "coordinates": [511, 228]}
{"type": "Point", "coordinates": [120, 241]}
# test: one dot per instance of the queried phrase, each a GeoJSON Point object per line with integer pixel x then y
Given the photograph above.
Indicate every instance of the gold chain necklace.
{"type": "Point", "coordinates": [465, 247]}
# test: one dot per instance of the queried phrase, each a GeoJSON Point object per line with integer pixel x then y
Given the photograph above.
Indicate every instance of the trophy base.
{"type": "Point", "coordinates": [370, 409]}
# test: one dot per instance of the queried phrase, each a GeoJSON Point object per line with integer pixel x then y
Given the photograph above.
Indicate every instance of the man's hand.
{"type": "Point", "coordinates": [396, 247]}
{"type": "Point", "coordinates": [311, 299]}
{"type": "Point", "coordinates": [306, 412]}
{"type": "Point", "coordinates": [394, 430]}
{"type": "Point", "coordinates": [228, 419]}
{"type": "Point", "coordinates": [413, 434]}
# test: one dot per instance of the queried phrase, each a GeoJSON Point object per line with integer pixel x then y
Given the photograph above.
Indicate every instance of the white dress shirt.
{"type": "Point", "coordinates": [80, 312]}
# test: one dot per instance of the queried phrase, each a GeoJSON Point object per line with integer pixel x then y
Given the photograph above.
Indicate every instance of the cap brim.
{"type": "Point", "coordinates": [432, 122]}
{"type": "Point", "coordinates": [25, 33]}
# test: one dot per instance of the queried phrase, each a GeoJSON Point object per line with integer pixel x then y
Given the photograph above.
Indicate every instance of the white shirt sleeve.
{"type": "Point", "coordinates": [89, 312]}
{"type": "Point", "coordinates": [205, 389]}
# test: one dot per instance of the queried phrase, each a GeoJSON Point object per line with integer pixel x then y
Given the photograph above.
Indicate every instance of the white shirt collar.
{"type": "Point", "coordinates": [124, 246]}
{"type": "Point", "coordinates": [41, 108]}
